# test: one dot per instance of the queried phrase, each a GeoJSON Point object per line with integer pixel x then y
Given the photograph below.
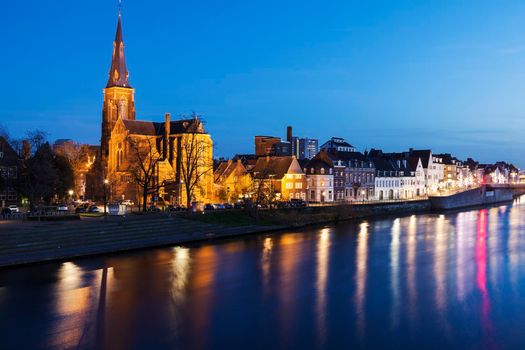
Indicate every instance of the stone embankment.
{"type": "Point", "coordinates": [39, 242]}
{"type": "Point", "coordinates": [296, 217]}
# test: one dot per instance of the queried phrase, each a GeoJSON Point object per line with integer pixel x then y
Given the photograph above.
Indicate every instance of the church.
{"type": "Point", "coordinates": [168, 162]}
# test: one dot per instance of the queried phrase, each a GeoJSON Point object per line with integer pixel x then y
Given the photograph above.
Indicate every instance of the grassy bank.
{"type": "Point", "coordinates": [298, 217]}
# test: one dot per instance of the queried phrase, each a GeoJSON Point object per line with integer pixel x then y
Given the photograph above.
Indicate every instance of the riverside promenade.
{"type": "Point", "coordinates": [25, 242]}
{"type": "Point", "coordinates": [31, 242]}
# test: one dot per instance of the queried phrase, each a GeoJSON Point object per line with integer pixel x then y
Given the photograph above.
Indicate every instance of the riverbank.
{"type": "Point", "coordinates": [33, 242]}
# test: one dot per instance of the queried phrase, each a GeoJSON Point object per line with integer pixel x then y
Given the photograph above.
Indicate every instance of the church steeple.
{"type": "Point", "coordinates": [119, 100]}
{"type": "Point", "coordinates": [118, 73]}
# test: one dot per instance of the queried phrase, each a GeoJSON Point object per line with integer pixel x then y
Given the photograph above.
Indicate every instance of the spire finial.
{"type": "Point", "coordinates": [119, 7]}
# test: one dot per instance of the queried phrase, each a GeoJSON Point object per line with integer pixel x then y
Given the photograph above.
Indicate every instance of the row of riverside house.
{"type": "Point", "coordinates": [336, 172]}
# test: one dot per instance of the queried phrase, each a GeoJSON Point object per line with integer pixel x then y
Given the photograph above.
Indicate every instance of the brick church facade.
{"type": "Point", "coordinates": [179, 152]}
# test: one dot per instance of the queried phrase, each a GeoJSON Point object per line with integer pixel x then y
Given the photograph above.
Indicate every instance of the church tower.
{"type": "Point", "coordinates": [119, 98]}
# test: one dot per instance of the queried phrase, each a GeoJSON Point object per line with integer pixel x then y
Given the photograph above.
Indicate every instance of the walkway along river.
{"type": "Point", "coordinates": [420, 281]}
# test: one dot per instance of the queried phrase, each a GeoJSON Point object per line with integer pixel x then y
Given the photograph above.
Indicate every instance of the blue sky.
{"type": "Point", "coordinates": [446, 75]}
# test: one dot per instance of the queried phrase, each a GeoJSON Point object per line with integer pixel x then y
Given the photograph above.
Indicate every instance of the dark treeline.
{"type": "Point", "coordinates": [44, 177]}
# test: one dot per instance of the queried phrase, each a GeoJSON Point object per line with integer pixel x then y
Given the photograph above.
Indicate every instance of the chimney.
{"type": "Point", "coordinates": [289, 134]}
{"type": "Point", "coordinates": [167, 124]}
{"type": "Point", "coordinates": [167, 131]}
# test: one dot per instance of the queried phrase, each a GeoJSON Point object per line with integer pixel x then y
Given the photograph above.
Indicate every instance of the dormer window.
{"type": "Point", "coordinates": [322, 171]}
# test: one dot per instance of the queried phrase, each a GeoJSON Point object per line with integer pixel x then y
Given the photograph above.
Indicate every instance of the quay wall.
{"type": "Point", "coordinates": [297, 217]}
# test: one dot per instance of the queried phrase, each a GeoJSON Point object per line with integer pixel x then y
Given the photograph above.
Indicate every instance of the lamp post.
{"type": "Point", "coordinates": [106, 181]}
{"type": "Point", "coordinates": [271, 176]}
{"type": "Point", "coordinates": [70, 192]}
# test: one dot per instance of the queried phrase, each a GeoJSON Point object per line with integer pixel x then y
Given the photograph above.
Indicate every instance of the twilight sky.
{"type": "Point", "coordinates": [445, 75]}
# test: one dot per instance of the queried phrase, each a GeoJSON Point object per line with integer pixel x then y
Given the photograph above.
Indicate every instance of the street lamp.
{"type": "Point", "coordinates": [106, 181]}
{"type": "Point", "coordinates": [70, 195]}
{"type": "Point", "coordinates": [271, 176]}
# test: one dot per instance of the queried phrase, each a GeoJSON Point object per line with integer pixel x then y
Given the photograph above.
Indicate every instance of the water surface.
{"type": "Point", "coordinates": [421, 281]}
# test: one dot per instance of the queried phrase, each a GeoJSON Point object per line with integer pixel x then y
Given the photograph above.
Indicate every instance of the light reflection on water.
{"type": "Point", "coordinates": [420, 281]}
{"type": "Point", "coordinates": [360, 280]}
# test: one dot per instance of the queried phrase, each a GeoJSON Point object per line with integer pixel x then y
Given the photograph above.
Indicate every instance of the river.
{"type": "Point", "coordinates": [423, 281]}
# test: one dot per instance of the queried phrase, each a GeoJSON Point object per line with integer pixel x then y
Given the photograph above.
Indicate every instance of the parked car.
{"type": "Point", "coordinates": [298, 203]}
{"type": "Point", "coordinates": [94, 209]}
{"type": "Point", "coordinates": [49, 210]}
{"type": "Point", "coordinates": [14, 209]}
{"type": "Point", "coordinates": [228, 206]}
{"type": "Point", "coordinates": [172, 207]}
{"type": "Point", "coordinates": [209, 207]}
{"type": "Point", "coordinates": [219, 206]}
{"type": "Point", "coordinates": [117, 209]}
{"type": "Point", "coordinates": [238, 205]}
{"type": "Point", "coordinates": [127, 202]}
{"type": "Point", "coordinates": [6, 211]}
{"type": "Point", "coordinates": [62, 207]}
{"type": "Point", "coordinates": [153, 208]}
{"type": "Point", "coordinates": [80, 209]}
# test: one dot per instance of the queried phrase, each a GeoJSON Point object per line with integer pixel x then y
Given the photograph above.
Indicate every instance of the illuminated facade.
{"type": "Point", "coordinates": [119, 100]}
{"type": "Point", "coordinates": [128, 144]}
{"type": "Point", "coordinates": [283, 175]}
{"type": "Point", "coordinates": [232, 181]}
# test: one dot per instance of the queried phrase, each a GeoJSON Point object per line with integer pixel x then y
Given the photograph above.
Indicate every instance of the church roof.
{"type": "Point", "coordinates": [118, 73]}
{"type": "Point", "coordinates": [139, 127]}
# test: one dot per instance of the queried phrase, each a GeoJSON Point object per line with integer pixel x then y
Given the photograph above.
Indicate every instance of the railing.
{"type": "Point", "coordinates": [27, 215]}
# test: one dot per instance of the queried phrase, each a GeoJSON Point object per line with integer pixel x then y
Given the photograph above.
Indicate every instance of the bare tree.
{"type": "Point", "coordinates": [143, 162]}
{"type": "Point", "coordinates": [36, 138]}
{"type": "Point", "coordinates": [196, 160]}
{"type": "Point", "coordinates": [262, 190]}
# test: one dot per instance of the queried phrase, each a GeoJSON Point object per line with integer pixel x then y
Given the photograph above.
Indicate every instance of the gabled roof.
{"type": "Point", "coordinates": [413, 161]}
{"type": "Point", "coordinates": [247, 160]}
{"type": "Point", "coordinates": [225, 169]}
{"type": "Point", "coordinates": [321, 161]}
{"type": "Point", "coordinates": [10, 157]}
{"type": "Point", "coordinates": [424, 154]}
{"type": "Point", "coordinates": [276, 166]}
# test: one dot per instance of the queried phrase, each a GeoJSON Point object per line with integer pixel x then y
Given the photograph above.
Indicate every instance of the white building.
{"type": "Point", "coordinates": [433, 168]}
{"type": "Point", "coordinates": [399, 178]}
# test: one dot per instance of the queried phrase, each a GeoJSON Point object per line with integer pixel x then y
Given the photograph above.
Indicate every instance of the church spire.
{"type": "Point", "coordinates": [118, 73]}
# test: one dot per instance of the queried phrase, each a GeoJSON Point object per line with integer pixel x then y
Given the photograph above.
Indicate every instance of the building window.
{"type": "Point", "coordinates": [289, 185]}
{"type": "Point", "coordinates": [322, 171]}
{"type": "Point", "coordinates": [298, 185]}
